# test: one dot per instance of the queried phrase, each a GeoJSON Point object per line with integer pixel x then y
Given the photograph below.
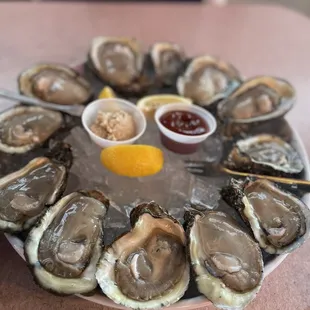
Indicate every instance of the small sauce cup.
{"type": "Point", "coordinates": [109, 105]}
{"type": "Point", "coordinates": [179, 143]}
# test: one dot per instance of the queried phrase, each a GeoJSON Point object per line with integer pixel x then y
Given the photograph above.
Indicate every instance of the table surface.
{"type": "Point", "coordinates": [256, 39]}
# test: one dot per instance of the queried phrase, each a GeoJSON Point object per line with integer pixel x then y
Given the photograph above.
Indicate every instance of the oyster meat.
{"type": "Point", "coordinates": [146, 268]}
{"type": "Point", "coordinates": [63, 249]}
{"type": "Point", "coordinates": [280, 221]}
{"type": "Point", "coordinates": [117, 61]}
{"type": "Point", "coordinates": [26, 193]}
{"type": "Point", "coordinates": [55, 83]}
{"type": "Point", "coordinates": [265, 154]}
{"type": "Point", "coordinates": [168, 59]}
{"type": "Point", "coordinates": [24, 128]}
{"type": "Point", "coordinates": [207, 80]}
{"type": "Point", "coordinates": [258, 99]}
{"type": "Point", "coordinates": [227, 262]}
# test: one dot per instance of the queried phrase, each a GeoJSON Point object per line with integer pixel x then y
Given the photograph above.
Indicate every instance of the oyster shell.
{"type": "Point", "coordinates": [168, 59]}
{"type": "Point", "coordinates": [280, 221]}
{"type": "Point", "coordinates": [55, 83]}
{"type": "Point", "coordinates": [207, 80]}
{"type": "Point", "coordinates": [26, 193]}
{"type": "Point", "coordinates": [234, 131]}
{"type": "Point", "coordinates": [147, 267]}
{"type": "Point", "coordinates": [258, 99]}
{"type": "Point", "coordinates": [265, 154]}
{"type": "Point", "coordinates": [63, 249]}
{"type": "Point", "coordinates": [24, 128]}
{"type": "Point", "coordinates": [227, 262]}
{"type": "Point", "coordinates": [118, 62]}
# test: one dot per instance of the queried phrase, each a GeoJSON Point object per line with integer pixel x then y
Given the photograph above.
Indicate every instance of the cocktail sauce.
{"type": "Point", "coordinates": [184, 123]}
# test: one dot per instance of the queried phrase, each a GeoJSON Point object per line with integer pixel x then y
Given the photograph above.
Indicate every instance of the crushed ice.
{"type": "Point", "coordinates": [172, 188]}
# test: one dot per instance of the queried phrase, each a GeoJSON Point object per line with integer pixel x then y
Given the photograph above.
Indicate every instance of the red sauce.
{"type": "Point", "coordinates": [184, 123]}
{"type": "Point", "coordinates": [180, 148]}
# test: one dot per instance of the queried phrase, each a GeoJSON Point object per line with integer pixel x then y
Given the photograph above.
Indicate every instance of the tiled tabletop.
{"type": "Point", "coordinates": [256, 39]}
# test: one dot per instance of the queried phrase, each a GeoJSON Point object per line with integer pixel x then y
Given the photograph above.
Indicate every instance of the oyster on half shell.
{"type": "Point", "coordinates": [227, 262]}
{"type": "Point", "coordinates": [206, 80]}
{"type": "Point", "coordinates": [147, 267]}
{"type": "Point", "coordinates": [55, 83]}
{"type": "Point", "coordinates": [265, 154]}
{"type": "Point", "coordinates": [279, 220]}
{"type": "Point", "coordinates": [117, 61]}
{"type": "Point", "coordinates": [26, 193]}
{"type": "Point", "coordinates": [258, 99]}
{"type": "Point", "coordinates": [168, 59]}
{"type": "Point", "coordinates": [24, 128]}
{"type": "Point", "coordinates": [63, 249]}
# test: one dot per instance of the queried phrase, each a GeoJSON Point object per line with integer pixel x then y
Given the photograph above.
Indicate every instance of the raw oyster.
{"type": "Point", "coordinates": [258, 99]}
{"type": "Point", "coordinates": [234, 131]}
{"type": "Point", "coordinates": [207, 80]}
{"type": "Point", "coordinates": [227, 262]}
{"type": "Point", "coordinates": [280, 221]}
{"type": "Point", "coordinates": [118, 62]}
{"type": "Point", "coordinates": [147, 267]}
{"type": "Point", "coordinates": [24, 128]}
{"type": "Point", "coordinates": [55, 83]}
{"type": "Point", "coordinates": [168, 59]}
{"type": "Point", "coordinates": [26, 193]}
{"type": "Point", "coordinates": [63, 249]}
{"type": "Point", "coordinates": [265, 154]}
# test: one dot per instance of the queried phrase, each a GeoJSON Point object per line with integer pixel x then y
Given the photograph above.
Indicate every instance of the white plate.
{"type": "Point", "coordinates": [200, 301]}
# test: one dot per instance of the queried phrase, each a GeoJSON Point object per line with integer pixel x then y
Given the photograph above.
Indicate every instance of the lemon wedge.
{"type": "Point", "coordinates": [106, 92]}
{"type": "Point", "coordinates": [149, 104]}
{"type": "Point", "coordinates": [132, 160]}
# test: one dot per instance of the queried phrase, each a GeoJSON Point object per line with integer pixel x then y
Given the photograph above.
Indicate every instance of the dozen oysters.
{"type": "Point", "coordinates": [149, 266]}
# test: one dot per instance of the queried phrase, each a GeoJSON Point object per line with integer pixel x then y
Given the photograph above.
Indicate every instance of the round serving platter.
{"type": "Point", "coordinates": [174, 187]}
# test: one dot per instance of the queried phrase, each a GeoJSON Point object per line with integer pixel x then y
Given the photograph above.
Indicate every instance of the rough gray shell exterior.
{"type": "Point", "coordinates": [264, 154]}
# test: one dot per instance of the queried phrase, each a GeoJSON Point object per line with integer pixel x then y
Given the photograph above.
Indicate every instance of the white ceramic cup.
{"type": "Point", "coordinates": [185, 139]}
{"type": "Point", "coordinates": [109, 105]}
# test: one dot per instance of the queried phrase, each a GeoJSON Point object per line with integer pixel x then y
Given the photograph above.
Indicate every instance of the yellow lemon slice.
{"type": "Point", "coordinates": [132, 160]}
{"type": "Point", "coordinates": [106, 92]}
{"type": "Point", "coordinates": [149, 104]}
